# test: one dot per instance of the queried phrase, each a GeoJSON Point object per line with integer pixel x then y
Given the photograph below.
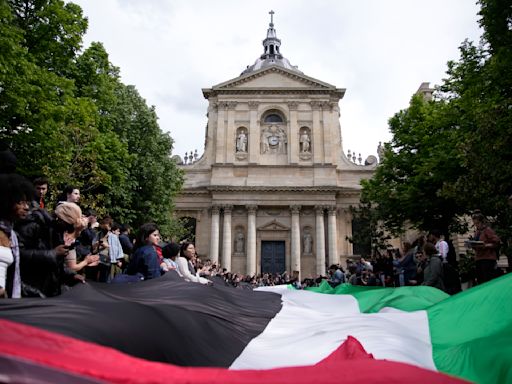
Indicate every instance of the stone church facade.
{"type": "Point", "coordinates": [272, 191]}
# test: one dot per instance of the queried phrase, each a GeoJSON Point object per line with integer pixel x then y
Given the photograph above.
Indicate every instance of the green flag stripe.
{"type": "Point", "coordinates": [471, 332]}
{"type": "Point", "coordinates": [373, 299]}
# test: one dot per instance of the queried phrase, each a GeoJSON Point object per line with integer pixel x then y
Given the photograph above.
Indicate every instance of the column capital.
{"type": "Point", "coordinates": [215, 209]}
{"type": "Point", "coordinates": [232, 104]}
{"type": "Point", "coordinates": [293, 105]}
{"type": "Point", "coordinates": [326, 105]}
{"type": "Point", "coordinates": [251, 208]}
{"type": "Point", "coordinates": [253, 104]}
{"type": "Point", "coordinates": [214, 107]}
{"type": "Point", "coordinates": [332, 210]}
{"type": "Point", "coordinates": [222, 105]}
{"type": "Point", "coordinates": [315, 104]}
{"type": "Point", "coordinates": [295, 209]}
{"type": "Point", "coordinates": [227, 208]}
{"type": "Point", "coordinates": [319, 209]}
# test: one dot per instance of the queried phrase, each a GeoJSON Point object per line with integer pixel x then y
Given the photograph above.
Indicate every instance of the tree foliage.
{"type": "Point", "coordinates": [66, 114]}
{"type": "Point", "coordinates": [451, 155]}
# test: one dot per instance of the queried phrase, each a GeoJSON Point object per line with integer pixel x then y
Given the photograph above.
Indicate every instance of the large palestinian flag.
{"type": "Point", "coordinates": [169, 331]}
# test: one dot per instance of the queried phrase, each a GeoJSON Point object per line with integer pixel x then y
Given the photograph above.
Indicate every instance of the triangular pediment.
{"type": "Point", "coordinates": [274, 77]}
{"type": "Point", "coordinates": [273, 225]}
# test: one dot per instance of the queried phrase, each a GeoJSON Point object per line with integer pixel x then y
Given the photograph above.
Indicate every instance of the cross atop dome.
{"type": "Point", "coordinates": [271, 54]}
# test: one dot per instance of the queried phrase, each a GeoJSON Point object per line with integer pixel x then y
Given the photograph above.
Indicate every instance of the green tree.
{"type": "Point", "coordinates": [407, 188]}
{"type": "Point", "coordinates": [452, 155]}
{"type": "Point", "coordinates": [155, 177]}
{"type": "Point", "coordinates": [69, 116]}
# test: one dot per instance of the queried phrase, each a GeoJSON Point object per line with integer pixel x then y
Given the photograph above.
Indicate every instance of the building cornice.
{"type": "Point", "coordinates": [338, 93]}
{"type": "Point", "coordinates": [341, 191]}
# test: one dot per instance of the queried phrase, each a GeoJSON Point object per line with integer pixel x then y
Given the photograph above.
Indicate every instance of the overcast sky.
{"type": "Point", "coordinates": [380, 51]}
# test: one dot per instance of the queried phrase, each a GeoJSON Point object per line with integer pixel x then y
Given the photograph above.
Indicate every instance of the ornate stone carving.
{"type": "Point", "coordinates": [222, 105]}
{"type": "Point", "coordinates": [215, 209]}
{"type": "Point", "coordinates": [214, 107]}
{"type": "Point", "coordinates": [332, 210]}
{"type": "Point", "coordinates": [319, 209]}
{"type": "Point", "coordinates": [293, 105]}
{"type": "Point", "coordinates": [241, 141]}
{"type": "Point", "coordinates": [253, 104]}
{"type": "Point", "coordinates": [295, 209]}
{"type": "Point", "coordinates": [305, 140]}
{"type": "Point", "coordinates": [227, 208]}
{"type": "Point", "coordinates": [315, 104]}
{"type": "Point", "coordinates": [251, 208]}
{"type": "Point", "coordinates": [326, 105]}
{"type": "Point", "coordinates": [239, 242]}
{"type": "Point", "coordinates": [307, 243]}
{"type": "Point", "coordinates": [232, 104]}
{"type": "Point", "coordinates": [273, 139]}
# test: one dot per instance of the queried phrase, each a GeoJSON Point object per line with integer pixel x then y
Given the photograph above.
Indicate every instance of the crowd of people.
{"type": "Point", "coordinates": [41, 253]}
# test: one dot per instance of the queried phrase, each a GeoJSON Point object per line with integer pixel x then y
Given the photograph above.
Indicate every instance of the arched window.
{"type": "Point", "coordinates": [273, 118]}
{"type": "Point", "coordinates": [189, 225]}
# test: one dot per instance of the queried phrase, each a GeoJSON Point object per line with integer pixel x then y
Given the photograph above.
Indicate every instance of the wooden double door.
{"type": "Point", "coordinates": [273, 257]}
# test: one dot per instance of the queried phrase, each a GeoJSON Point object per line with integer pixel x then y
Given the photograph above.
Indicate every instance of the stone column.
{"type": "Point", "coordinates": [320, 240]}
{"type": "Point", "coordinates": [327, 132]}
{"type": "Point", "coordinates": [336, 133]}
{"type": "Point", "coordinates": [293, 140]}
{"type": "Point", "coordinates": [220, 150]}
{"type": "Point", "coordinates": [214, 237]}
{"type": "Point", "coordinates": [231, 133]}
{"type": "Point", "coordinates": [226, 238]}
{"type": "Point", "coordinates": [333, 236]}
{"type": "Point", "coordinates": [295, 244]}
{"type": "Point", "coordinates": [349, 218]}
{"type": "Point", "coordinates": [254, 133]}
{"type": "Point", "coordinates": [316, 142]}
{"type": "Point", "coordinates": [251, 239]}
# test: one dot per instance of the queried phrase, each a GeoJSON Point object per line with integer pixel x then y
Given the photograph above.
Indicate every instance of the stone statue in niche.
{"type": "Point", "coordinates": [241, 142]}
{"type": "Point", "coordinates": [281, 147]}
{"type": "Point", "coordinates": [239, 242]}
{"type": "Point", "coordinates": [307, 243]}
{"type": "Point", "coordinates": [265, 135]}
{"type": "Point", "coordinates": [305, 142]}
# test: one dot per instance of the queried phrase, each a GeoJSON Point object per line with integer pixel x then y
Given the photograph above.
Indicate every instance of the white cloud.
{"type": "Point", "coordinates": [380, 51]}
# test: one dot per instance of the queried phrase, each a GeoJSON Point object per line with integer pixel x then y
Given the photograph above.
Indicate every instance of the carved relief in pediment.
{"type": "Point", "coordinates": [273, 225]}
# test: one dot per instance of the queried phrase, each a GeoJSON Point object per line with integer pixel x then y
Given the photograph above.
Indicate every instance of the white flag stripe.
{"type": "Point", "coordinates": [310, 326]}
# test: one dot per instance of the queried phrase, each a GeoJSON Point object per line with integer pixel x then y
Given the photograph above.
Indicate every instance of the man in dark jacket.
{"type": "Point", "coordinates": [42, 263]}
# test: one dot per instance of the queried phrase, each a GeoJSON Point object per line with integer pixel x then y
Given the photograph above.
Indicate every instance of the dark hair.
{"type": "Point", "coordinates": [436, 233]}
{"type": "Point", "coordinates": [125, 228]}
{"type": "Point", "coordinates": [107, 220]}
{"type": "Point", "coordinates": [90, 212]}
{"type": "Point", "coordinates": [171, 250]}
{"type": "Point", "coordinates": [68, 189]}
{"type": "Point", "coordinates": [143, 233]}
{"type": "Point", "coordinates": [429, 249]}
{"type": "Point", "coordinates": [8, 160]}
{"type": "Point", "coordinates": [183, 248]}
{"type": "Point", "coordinates": [114, 227]}
{"type": "Point", "coordinates": [40, 181]}
{"type": "Point", "coordinates": [13, 189]}
{"type": "Point", "coordinates": [479, 217]}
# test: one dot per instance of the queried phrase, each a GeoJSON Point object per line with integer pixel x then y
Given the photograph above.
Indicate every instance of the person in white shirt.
{"type": "Point", "coordinates": [186, 266]}
{"type": "Point", "coordinates": [441, 245]}
{"type": "Point", "coordinates": [170, 253]}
